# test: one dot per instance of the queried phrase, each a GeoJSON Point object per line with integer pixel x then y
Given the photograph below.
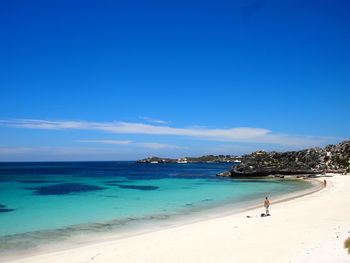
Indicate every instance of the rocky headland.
{"type": "Point", "coordinates": [330, 159]}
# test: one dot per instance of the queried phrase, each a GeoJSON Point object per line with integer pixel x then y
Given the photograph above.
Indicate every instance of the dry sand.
{"type": "Point", "coordinates": [311, 228]}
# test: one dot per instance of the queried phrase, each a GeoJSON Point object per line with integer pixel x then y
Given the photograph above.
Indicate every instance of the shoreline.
{"type": "Point", "coordinates": [117, 237]}
{"type": "Point", "coordinates": [88, 233]}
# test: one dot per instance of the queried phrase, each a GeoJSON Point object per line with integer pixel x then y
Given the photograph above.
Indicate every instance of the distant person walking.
{"type": "Point", "coordinates": [324, 183]}
{"type": "Point", "coordinates": [267, 205]}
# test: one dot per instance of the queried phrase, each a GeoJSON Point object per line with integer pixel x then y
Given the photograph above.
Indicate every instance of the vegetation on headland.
{"type": "Point", "coordinates": [347, 244]}
{"type": "Point", "coordinates": [332, 158]}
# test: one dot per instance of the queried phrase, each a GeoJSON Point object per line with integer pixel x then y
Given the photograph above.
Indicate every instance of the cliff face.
{"type": "Point", "coordinates": [332, 158]}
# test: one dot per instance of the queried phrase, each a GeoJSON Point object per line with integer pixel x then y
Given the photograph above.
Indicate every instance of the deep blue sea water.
{"type": "Point", "coordinates": [48, 201]}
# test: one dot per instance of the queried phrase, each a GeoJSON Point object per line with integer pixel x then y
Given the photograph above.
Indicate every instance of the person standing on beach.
{"type": "Point", "coordinates": [267, 205]}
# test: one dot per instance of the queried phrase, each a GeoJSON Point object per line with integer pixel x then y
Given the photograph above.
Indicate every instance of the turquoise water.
{"type": "Point", "coordinates": [42, 201]}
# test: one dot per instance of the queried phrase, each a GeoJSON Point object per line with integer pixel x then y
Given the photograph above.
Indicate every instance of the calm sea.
{"type": "Point", "coordinates": [45, 202]}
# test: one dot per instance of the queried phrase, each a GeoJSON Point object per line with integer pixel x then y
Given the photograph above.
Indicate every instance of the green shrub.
{"type": "Point", "coordinates": [347, 244]}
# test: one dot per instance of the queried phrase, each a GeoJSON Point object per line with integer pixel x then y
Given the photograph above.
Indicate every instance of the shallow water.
{"type": "Point", "coordinates": [41, 202]}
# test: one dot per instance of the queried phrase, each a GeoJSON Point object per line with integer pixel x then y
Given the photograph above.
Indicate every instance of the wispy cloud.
{"type": "Point", "coordinates": [147, 119]}
{"type": "Point", "coordinates": [151, 145]}
{"type": "Point", "coordinates": [156, 145]}
{"type": "Point", "coordinates": [106, 141]}
{"type": "Point", "coordinates": [16, 150]}
{"type": "Point", "coordinates": [61, 153]}
{"type": "Point", "coordinates": [238, 134]}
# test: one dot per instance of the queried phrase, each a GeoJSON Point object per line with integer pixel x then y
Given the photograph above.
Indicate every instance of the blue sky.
{"type": "Point", "coordinates": [122, 80]}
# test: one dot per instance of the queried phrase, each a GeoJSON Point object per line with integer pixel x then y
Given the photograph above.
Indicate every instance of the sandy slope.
{"type": "Point", "coordinates": [308, 229]}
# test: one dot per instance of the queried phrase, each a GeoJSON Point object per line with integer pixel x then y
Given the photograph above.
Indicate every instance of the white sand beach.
{"type": "Point", "coordinates": [311, 228]}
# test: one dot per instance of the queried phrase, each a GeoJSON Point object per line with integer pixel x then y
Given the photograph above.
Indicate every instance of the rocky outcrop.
{"type": "Point", "coordinates": [332, 158]}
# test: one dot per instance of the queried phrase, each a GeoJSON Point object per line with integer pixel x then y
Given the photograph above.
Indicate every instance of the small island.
{"type": "Point", "coordinates": [202, 159]}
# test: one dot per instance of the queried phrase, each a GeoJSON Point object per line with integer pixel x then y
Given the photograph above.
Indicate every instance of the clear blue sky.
{"type": "Point", "coordinates": [122, 80]}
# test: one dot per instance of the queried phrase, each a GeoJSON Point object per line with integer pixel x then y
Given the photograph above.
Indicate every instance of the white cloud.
{"type": "Point", "coordinates": [151, 145]}
{"type": "Point", "coordinates": [156, 145]}
{"type": "Point", "coordinates": [15, 150]}
{"type": "Point", "coordinates": [47, 151]}
{"type": "Point", "coordinates": [77, 151]}
{"type": "Point", "coordinates": [238, 134]}
{"type": "Point", "coordinates": [106, 141]}
{"type": "Point", "coordinates": [147, 119]}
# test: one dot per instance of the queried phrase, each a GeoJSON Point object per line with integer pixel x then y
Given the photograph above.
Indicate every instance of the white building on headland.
{"type": "Point", "coordinates": [182, 160]}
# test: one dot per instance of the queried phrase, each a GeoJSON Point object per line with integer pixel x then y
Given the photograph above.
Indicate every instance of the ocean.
{"type": "Point", "coordinates": [43, 203]}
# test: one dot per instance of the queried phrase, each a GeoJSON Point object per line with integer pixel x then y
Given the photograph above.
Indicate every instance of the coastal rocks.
{"type": "Point", "coordinates": [333, 158]}
{"type": "Point", "coordinates": [224, 174]}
